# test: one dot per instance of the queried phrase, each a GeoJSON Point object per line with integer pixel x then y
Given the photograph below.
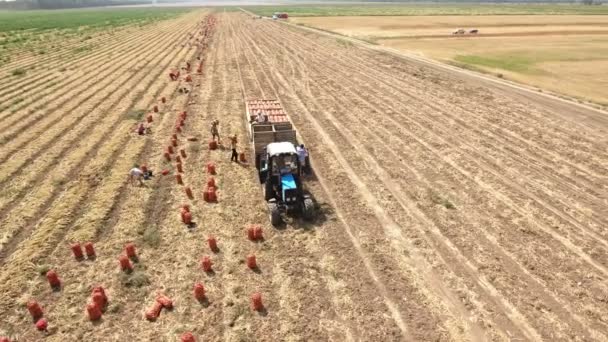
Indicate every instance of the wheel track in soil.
{"type": "Point", "coordinates": [499, 143]}
{"type": "Point", "coordinates": [117, 151]}
{"type": "Point", "coordinates": [25, 126]}
{"type": "Point", "coordinates": [387, 134]}
{"type": "Point", "coordinates": [394, 310]}
{"type": "Point", "coordinates": [291, 253]}
{"type": "Point", "coordinates": [554, 210]}
{"type": "Point", "coordinates": [96, 56]}
{"type": "Point", "coordinates": [23, 233]}
{"type": "Point", "coordinates": [394, 123]}
{"type": "Point", "coordinates": [43, 152]}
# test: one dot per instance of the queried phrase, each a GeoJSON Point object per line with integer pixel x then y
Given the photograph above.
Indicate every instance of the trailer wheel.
{"type": "Point", "coordinates": [275, 214]}
{"type": "Point", "coordinates": [268, 191]}
{"type": "Point", "coordinates": [308, 209]}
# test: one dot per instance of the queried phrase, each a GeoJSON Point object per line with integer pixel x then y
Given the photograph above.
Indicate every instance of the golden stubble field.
{"type": "Point", "coordinates": [448, 211]}
{"type": "Point", "coordinates": [566, 54]}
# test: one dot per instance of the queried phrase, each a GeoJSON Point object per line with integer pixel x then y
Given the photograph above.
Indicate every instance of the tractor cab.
{"type": "Point", "coordinates": [280, 171]}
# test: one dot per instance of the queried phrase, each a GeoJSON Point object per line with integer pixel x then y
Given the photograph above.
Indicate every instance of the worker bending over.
{"type": "Point", "coordinates": [136, 175]}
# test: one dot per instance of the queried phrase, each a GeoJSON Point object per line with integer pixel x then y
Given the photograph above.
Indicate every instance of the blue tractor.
{"type": "Point", "coordinates": [280, 173]}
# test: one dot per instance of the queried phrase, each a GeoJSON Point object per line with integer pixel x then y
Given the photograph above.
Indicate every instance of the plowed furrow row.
{"type": "Point", "coordinates": [414, 93]}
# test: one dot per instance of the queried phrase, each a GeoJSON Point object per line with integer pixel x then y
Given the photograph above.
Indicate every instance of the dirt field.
{"type": "Point", "coordinates": [561, 53]}
{"type": "Point", "coordinates": [448, 211]}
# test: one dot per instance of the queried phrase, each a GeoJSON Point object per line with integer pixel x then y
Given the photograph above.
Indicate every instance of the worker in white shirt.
{"type": "Point", "coordinates": [302, 154]}
{"type": "Point", "coordinates": [136, 174]}
{"type": "Point", "coordinates": [262, 118]}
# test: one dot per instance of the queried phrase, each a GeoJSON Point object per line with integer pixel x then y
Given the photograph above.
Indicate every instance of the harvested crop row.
{"type": "Point", "coordinates": [97, 209]}
{"type": "Point", "coordinates": [335, 301]}
{"type": "Point", "coordinates": [62, 76]}
{"type": "Point", "coordinates": [102, 209]}
{"type": "Point", "coordinates": [101, 65]}
{"type": "Point", "coordinates": [60, 41]}
{"type": "Point", "coordinates": [101, 99]}
{"type": "Point", "coordinates": [109, 124]}
{"type": "Point", "coordinates": [38, 170]}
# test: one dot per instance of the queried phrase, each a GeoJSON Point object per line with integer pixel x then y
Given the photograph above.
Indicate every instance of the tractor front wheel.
{"type": "Point", "coordinates": [275, 214]}
{"type": "Point", "coordinates": [308, 209]}
{"type": "Point", "coordinates": [268, 190]}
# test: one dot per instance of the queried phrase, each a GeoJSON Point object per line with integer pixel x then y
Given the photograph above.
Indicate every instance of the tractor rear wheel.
{"type": "Point", "coordinates": [275, 214]}
{"type": "Point", "coordinates": [308, 209]}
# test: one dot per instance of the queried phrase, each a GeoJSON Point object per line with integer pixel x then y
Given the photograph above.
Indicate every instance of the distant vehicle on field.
{"type": "Point", "coordinates": [280, 15]}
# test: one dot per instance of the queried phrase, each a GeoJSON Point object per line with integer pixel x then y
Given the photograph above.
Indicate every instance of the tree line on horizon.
{"type": "Point", "coordinates": [59, 4]}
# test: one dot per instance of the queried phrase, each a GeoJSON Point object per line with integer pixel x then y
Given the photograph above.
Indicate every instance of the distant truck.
{"type": "Point", "coordinates": [280, 15]}
{"type": "Point", "coordinates": [274, 146]}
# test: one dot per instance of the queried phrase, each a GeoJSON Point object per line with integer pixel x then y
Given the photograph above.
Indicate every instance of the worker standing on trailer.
{"type": "Point", "coordinates": [302, 155]}
{"type": "Point", "coordinates": [215, 132]}
{"type": "Point", "coordinates": [262, 118]}
{"type": "Point", "coordinates": [136, 174]}
{"type": "Point", "coordinates": [233, 142]}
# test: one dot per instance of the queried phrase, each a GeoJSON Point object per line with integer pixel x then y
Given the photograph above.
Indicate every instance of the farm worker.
{"type": "Point", "coordinates": [215, 130]}
{"type": "Point", "coordinates": [262, 117]}
{"type": "Point", "coordinates": [302, 154]}
{"type": "Point", "coordinates": [136, 174]}
{"type": "Point", "coordinates": [233, 142]}
{"type": "Point", "coordinates": [141, 130]}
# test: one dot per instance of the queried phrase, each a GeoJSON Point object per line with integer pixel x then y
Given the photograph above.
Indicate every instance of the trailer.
{"type": "Point", "coordinates": [274, 142]}
{"type": "Point", "coordinates": [276, 128]}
